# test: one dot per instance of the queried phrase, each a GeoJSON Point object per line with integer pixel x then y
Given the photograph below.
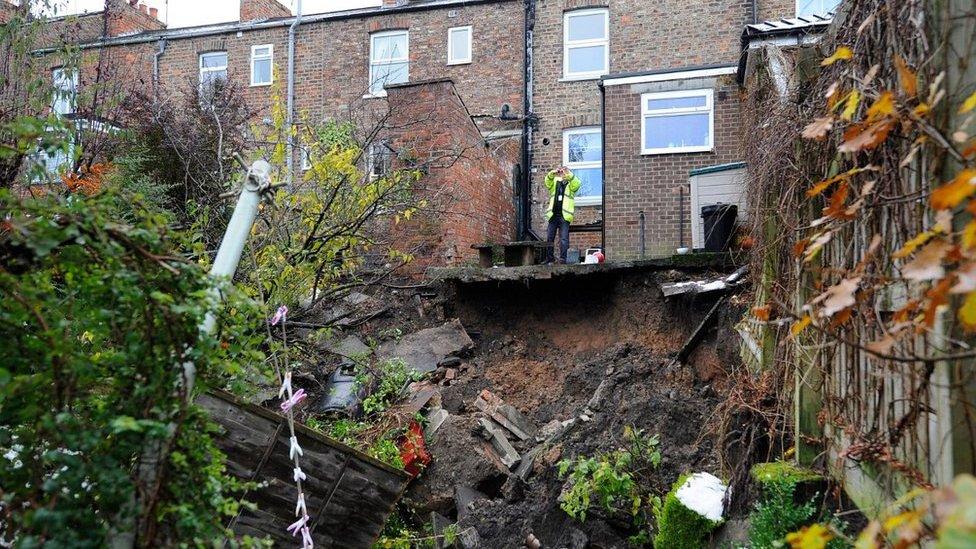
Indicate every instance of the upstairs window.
{"type": "Point", "coordinates": [583, 155]}
{"type": "Point", "coordinates": [586, 44]}
{"type": "Point", "coordinates": [65, 83]}
{"type": "Point", "coordinates": [389, 60]}
{"type": "Point", "coordinates": [379, 160]}
{"type": "Point", "coordinates": [262, 65]}
{"type": "Point", "coordinates": [815, 7]}
{"type": "Point", "coordinates": [213, 72]}
{"type": "Point", "coordinates": [459, 45]}
{"type": "Point", "coordinates": [676, 122]}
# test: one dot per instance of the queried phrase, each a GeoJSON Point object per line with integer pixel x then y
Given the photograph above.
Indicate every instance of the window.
{"type": "Point", "coordinates": [262, 65]}
{"type": "Point", "coordinates": [389, 61]}
{"type": "Point", "coordinates": [586, 44]}
{"type": "Point", "coordinates": [65, 83]}
{"type": "Point", "coordinates": [213, 72]}
{"type": "Point", "coordinates": [378, 160]}
{"type": "Point", "coordinates": [459, 45]}
{"type": "Point", "coordinates": [675, 122]}
{"type": "Point", "coordinates": [815, 7]}
{"type": "Point", "coordinates": [583, 155]}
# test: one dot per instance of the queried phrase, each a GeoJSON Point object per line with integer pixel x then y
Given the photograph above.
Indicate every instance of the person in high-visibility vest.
{"type": "Point", "coordinates": [562, 186]}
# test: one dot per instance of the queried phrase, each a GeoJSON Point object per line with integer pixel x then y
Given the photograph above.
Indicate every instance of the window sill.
{"type": "Point", "coordinates": [377, 96]}
{"type": "Point", "coordinates": [451, 63]}
{"type": "Point", "coordinates": [676, 150]}
{"type": "Point", "coordinates": [261, 85]}
{"type": "Point", "coordinates": [585, 201]}
{"type": "Point", "coordinates": [581, 78]}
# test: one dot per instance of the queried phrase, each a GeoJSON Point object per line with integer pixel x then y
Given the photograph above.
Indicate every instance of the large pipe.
{"type": "Point", "coordinates": [289, 116]}
{"type": "Point", "coordinates": [525, 196]}
{"type": "Point", "coordinates": [603, 167]}
{"type": "Point", "coordinates": [156, 57]}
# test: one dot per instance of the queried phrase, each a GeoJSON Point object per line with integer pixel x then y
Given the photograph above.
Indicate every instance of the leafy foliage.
{"type": "Point", "coordinates": [390, 378]}
{"type": "Point", "coordinates": [776, 515]}
{"type": "Point", "coordinates": [98, 316]}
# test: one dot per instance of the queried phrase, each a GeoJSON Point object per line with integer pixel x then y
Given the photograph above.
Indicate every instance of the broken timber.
{"type": "Point", "coordinates": [348, 494]}
{"type": "Point", "coordinates": [704, 286]}
{"type": "Point", "coordinates": [699, 332]}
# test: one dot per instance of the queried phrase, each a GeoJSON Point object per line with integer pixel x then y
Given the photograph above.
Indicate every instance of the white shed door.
{"type": "Point", "coordinates": [724, 187]}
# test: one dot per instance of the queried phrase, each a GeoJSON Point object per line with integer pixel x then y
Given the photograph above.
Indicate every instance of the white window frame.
{"type": "Point", "coordinates": [572, 44]}
{"type": "Point", "coordinates": [269, 57]}
{"type": "Point", "coordinates": [799, 5]}
{"type": "Point", "coordinates": [378, 149]}
{"type": "Point", "coordinates": [372, 63]}
{"type": "Point", "coordinates": [204, 70]}
{"type": "Point", "coordinates": [709, 107]}
{"type": "Point", "coordinates": [450, 49]}
{"type": "Point", "coordinates": [573, 166]}
{"type": "Point", "coordinates": [68, 95]}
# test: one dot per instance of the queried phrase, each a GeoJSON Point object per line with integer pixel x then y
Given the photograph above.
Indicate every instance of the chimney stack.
{"type": "Point", "coordinates": [255, 10]}
{"type": "Point", "coordinates": [154, 13]}
{"type": "Point", "coordinates": [144, 9]}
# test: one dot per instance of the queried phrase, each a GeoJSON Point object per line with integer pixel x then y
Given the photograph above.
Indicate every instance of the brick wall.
{"type": "Point", "coordinates": [644, 36]}
{"type": "Point", "coordinates": [648, 183]}
{"type": "Point", "coordinates": [254, 10]}
{"type": "Point", "coordinates": [468, 180]}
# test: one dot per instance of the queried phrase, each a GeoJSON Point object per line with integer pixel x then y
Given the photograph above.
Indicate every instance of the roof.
{"type": "Point", "coordinates": [791, 30]}
{"type": "Point", "coordinates": [718, 168]}
{"type": "Point", "coordinates": [660, 75]}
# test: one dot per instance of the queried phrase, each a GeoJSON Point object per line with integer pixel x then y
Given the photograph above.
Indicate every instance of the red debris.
{"type": "Point", "coordinates": [413, 449]}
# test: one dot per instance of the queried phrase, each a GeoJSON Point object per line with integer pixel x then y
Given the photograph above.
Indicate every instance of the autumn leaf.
{"type": "Point", "coordinates": [966, 279]}
{"type": "Point", "coordinates": [842, 317]}
{"type": "Point", "coordinates": [818, 128]}
{"type": "Point", "coordinates": [850, 105]}
{"type": "Point", "coordinates": [927, 264]}
{"type": "Point", "coordinates": [823, 185]}
{"type": "Point", "coordinates": [913, 244]}
{"type": "Point", "coordinates": [816, 244]}
{"type": "Point", "coordinates": [969, 236]}
{"type": "Point", "coordinates": [839, 296]}
{"type": "Point", "coordinates": [882, 346]}
{"type": "Point", "coordinates": [800, 246]}
{"type": "Point", "coordinates": [969, 104]}
{"type": "Point", "coordinates": [951, 194]}
{"type": "Point", "coordinates": [967, 313]}
{"type": "Point", "coordinates": [937, 298]}
{"type": "Point", "coordinates": [906, 77]}
{"type": "Point", "coordinates": [799, 325]}
{"type": "Point", "coordinates": [761, 313]}
{"type": "Point", "coordinates": [921, 109]}
{"type": "Point", "coordinates": [866, 136]}
{"type": "Point", "coordinates": [836, 208]}
{"type": "Point", "coordinates": [884, 106]}
{"type": "Point", "coordinates": [841, 54]}
{"type": "Point", "coordinates": [814, 536]}
{"type": "Point", "coordinates": [868, 538]}
{"type": "Point", "coordinates": [832, 95]}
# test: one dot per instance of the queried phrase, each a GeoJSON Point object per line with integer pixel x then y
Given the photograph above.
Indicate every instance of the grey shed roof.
{"type": "Point", "coordinates": [791, 25]}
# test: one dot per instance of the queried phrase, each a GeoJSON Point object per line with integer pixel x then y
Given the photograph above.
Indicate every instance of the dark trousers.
{"type": "Point", "coordinates": [557, 223]}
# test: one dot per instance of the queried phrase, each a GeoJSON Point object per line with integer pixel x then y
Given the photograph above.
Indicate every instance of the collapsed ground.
{"type": "Point", "coordinates": [581, 358]}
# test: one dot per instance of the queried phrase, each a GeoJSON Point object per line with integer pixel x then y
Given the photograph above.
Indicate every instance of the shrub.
{"type": "Point", "coordinates": [777, 514]}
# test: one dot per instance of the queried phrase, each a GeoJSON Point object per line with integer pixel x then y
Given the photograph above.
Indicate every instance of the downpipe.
{"type": "Point", "coordinates": [290, 94]}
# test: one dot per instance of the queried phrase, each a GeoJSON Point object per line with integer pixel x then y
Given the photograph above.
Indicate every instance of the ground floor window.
{"type": "Point", "coordinates": [677, 122]}
{"type": "Point", "coordinates": [583, 154]}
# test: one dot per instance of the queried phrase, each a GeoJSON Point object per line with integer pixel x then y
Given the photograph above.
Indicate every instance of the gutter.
{"type": "Point", "coordinates": [234, 26]}
{"type": "Point", "coordinates": [290, 117]}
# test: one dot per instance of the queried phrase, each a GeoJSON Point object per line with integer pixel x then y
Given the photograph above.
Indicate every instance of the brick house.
{"type": "Point", "coordinates": [635, 96]}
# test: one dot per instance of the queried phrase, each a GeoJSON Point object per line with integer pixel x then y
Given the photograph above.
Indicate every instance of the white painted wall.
{"type": "Point", "coordinates": [726, 187]}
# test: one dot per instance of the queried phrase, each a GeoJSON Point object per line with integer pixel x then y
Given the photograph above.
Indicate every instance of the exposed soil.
{"type": "Point", "coordinates": [546, 349]}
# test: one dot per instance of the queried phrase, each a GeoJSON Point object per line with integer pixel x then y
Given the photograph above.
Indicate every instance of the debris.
{"type": "Point", "coordinates": [449, 362]}
{"type": "Point", "coordinates": [342, 394]}
{"type": "Point", "coordinates": [491, 432]}
{"type": "Point", "coordinates": [704, 494]}
{"type": "Point", "coordinates": [704, 286]}
{"type": "Point", "coordinates": [584, 418]}
{"type": "Point", "coordinates": [434, 421]}
{"type": "Point", "coordinates": [699, 332]}
{"type": "Point", "coordinates": [439, 524]}
{"type": "Point", "coordinates": [465, 498]}
{"type": "Point", "coordinates": [532, 542]}
{"type": "Point", "coordinates": [513, 490]}
{"type": "Point", "coordinates": [349, 347]}
{"type": "Point", "coordinates": [469, 538]}
{"type": "Point", "coordinates": [413, 450]}
{"type": "Point", "coordinates": [424, 350]}
{"type": "Point", "coordinates": [450, 374]}
{"type": "Point", "coordinates": [419, 400]}
{"type": "Point", "coordinates": [506, 415]}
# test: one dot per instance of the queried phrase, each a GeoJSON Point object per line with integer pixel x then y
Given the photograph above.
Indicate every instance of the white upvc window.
{"type": "Point", "coordinates": [65, 83]}
{"type": "Point", "coordinates": [583, 155]}
{"type": "Point", "coordinates": [677, 122]}
{"type": "Point", "coordinates": [262, 65]}
{"type": "Point", "coordinates": [389, 60]}
{"type": "Point", "coordinates": [815, 7]}
{"type": "Point", "coordinates": [213, 70]}
{"type": "Point", "coordinates": [379, 159]}
{"type": "Point", "coordinates": [586, 44]}
{"type": "Point", "coordinates": [459, 45]}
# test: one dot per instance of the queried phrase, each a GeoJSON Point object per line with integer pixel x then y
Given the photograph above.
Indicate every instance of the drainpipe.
{"type": "Point", "coordinates": [603, 166]}
{"type": "Point", "coordinates": [156, 57]}
{"type": "Point", "coordinates": [640, 234]}
{"type": "Point", "coordinates": [289, 117]}
{"type": "Point", "coordinates": [755, 11]}
{"type": "Point", "coordinates": [528, 119]}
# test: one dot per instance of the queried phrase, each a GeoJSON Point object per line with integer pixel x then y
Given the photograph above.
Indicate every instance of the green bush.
{"type": "Point", "coordinates": [777, 514]}
{"type": "Point", "coordinates": [678, 527]}
{"type": "Point", "coordinates": [392, 376]}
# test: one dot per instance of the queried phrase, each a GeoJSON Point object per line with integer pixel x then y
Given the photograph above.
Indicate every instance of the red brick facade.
{"type": "Point", "coordinates": [256, 10]}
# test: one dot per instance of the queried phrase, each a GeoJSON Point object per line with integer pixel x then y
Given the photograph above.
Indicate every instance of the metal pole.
{"type": "Point", "coordinates": [640, 215]}
{"type": "Point", "coordinates": [258, 181]}
{"type": "Point", "coordinates": [290, 119]}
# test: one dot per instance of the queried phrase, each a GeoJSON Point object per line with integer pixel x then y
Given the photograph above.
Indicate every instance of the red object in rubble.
{"type": "Point", "coordinates": [413, 449]}
{"type": "Point", "coordinates": [599, 256]}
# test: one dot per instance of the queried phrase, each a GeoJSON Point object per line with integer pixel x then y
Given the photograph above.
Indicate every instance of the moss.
{"type": "Point", "coordinates": [782, 471]}
{"type": "Point", "coordinates": [679, 527]}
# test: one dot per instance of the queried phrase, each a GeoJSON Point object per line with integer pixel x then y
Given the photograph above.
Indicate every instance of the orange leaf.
{"type": "Point", "coordinates": [836, 208]}
{"type": "Point", "coordinates": [842, 317]}
{"type": "Point", "coordinates": [969, 236]}
{"type": "Point", "coordinates": [969, 104]}
{"type": "Point", "coordinates": [921, 109]}
{"type": "Point", "coordinates": [842, 53]}
{"type": "Point", "coordinates": [882, 346]}
{"type": "Point", "coordinates": [818, 128]}
{"type": "Point", "coordinates": [761, 313]}
{"type": "Point", "coordinates": [799, 325]}
{"type": "Point", "coordinates": [863, 136]}
{"type": "Point", "coordinates": [913, 244]}
{"type": "Point", "coordinates": [800, 246]}
{"type": "Point", "coordinates": [951, 194]}
{"type": "Point", "coordinates": [906, 77]}
{"type": "Point", "coordinates": [970, 150]}
{"type": "Point", "coordinates": [937, 298]}
{"type": "Point", "coordinates": [832, 95]}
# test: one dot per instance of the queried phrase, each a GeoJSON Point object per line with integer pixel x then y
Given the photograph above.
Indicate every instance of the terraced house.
{"type": "Point", "coordinates": [637, 97]}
